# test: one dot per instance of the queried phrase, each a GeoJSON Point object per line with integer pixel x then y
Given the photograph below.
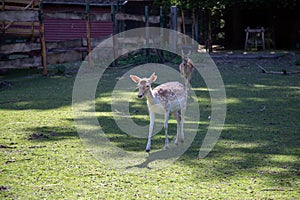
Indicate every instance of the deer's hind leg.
{"type": "Point", "coordinates": [178, 119]}
{"type": "Point", "coordinates": [167, 115]}
{"type": "Point", "coordinates": [181, 135]}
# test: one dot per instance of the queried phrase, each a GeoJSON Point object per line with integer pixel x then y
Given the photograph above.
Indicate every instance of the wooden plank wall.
{"type": "Point", "coordinates": [57, 52]}
{"type": "Point", "coordinates": [19, 17]}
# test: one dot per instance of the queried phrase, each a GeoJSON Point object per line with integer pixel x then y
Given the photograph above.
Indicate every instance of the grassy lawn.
{"type": "Point", "coordinates": [256, 157]}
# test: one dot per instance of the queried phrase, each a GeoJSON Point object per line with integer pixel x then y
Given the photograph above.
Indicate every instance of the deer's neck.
{"type": "Point", "coordinates": [151, 98]}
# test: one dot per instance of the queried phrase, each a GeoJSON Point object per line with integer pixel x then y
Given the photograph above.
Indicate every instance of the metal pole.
{"type": "Point", "coordinates": [161, 33]}
{"type": "Point", "coordinates": [115, 31]}
{"type": "Point", "coordinates": [42, 38]}
{"type": "Point", "coordinates": [173, 17]}
{"type": "Point", "coordinates": [147, 31]}
{"type": "Point", "coordinates": [88, 30]}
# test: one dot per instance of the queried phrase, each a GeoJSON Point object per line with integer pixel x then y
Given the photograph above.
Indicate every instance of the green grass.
{"type": "Point", "coordinates": [256, 157]}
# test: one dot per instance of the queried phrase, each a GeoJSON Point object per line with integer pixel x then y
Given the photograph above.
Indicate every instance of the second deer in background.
{"type": "Point", "coordinates": [186, 68]}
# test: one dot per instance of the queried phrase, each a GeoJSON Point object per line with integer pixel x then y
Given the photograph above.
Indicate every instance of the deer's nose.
{"type": "Point", "coordinates": [140, 96]}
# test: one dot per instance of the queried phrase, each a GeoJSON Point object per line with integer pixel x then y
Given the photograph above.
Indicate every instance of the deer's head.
{"type": "Point", "coordinates": [144, 84]}
{"type": "Point", "coordinates": [186, 66]}
{"type": "Point", "coordinates": [185, 57]}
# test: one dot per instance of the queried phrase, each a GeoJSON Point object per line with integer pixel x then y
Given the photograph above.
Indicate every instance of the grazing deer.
{"type": "Point", "coordinates": [186, 68]}
{"type": "Point", "coordinates": [168, 98]}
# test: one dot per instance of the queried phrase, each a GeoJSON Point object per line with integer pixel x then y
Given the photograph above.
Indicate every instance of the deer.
{"type": "Point", "coordinates": [186, 68]}
{"type": "Point", "coordinates": [166, 99]}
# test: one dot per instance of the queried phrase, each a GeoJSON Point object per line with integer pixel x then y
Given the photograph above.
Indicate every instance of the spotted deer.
{"type": "Point", "coordinates": [186, 68]}
{"type": "Point", "coordinates": [168, 98]}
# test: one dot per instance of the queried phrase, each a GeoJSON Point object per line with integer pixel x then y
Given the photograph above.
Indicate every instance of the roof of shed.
{"type": "Point", "coordinates": [81, 2]}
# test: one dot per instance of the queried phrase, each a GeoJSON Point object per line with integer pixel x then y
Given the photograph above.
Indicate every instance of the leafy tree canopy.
{"type": "Point", "coordinates": [219, 4]}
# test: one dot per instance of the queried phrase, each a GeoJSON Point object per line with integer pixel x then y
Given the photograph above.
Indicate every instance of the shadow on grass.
{"type": "Point", "coordinates": [130, 143]}
{"type": "Point", "coordinates": [39, 93]}
{"type": "Point", "coordinates": [261, 134]}
{"type": "Point", "coordinates": [51, 133]}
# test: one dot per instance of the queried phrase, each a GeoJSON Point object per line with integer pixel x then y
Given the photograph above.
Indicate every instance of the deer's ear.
{"type": "Point", "coordinates": [135, 79]}
{"type": "Point", "coordinates": [153, 77]}
{"type": "Point", "coordinates": [190, 62]}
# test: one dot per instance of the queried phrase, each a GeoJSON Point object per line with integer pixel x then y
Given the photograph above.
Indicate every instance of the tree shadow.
{"type": "Point", "coordinates": [51, 133]}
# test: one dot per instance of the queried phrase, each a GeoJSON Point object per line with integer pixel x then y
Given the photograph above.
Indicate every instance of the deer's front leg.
{"type": "Point", "coordinates": [152, 118]}
{"type": "Point", "coordinates": [181, 130]}
{"type": "Point", "coordinates": [181, 138]}
{"type": "Point", "coordinates": [178, 119]}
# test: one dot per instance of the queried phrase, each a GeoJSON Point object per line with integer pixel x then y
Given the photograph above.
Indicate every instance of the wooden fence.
{"type": "Point", "coordinates": [37, 54]}
{"type": "Point", "coordinates": [20, 18]}
{"type": "Point", "coordinates": [25, 23]}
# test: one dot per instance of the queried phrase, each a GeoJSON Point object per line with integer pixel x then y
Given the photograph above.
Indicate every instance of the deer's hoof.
{"type": "Point", "coordinates": [147, 150]}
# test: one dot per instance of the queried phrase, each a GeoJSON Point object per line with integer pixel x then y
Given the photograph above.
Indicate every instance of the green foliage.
{"type": "Point", "coordinates": [140, 57]}
{"type": "Point", "coordinates": [221, 4]}
{"type": "Point", "coordinates": [61, 69]}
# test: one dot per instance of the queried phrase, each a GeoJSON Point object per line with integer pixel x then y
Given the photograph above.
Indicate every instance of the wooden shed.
{"type": "Point", "coordinates": [36, 33]}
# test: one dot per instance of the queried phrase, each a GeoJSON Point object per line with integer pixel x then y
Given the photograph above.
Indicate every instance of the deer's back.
{"type": "Point", "coordinates": [170, 93]}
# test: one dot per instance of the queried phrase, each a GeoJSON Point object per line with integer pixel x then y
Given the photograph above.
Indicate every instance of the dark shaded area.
{"type": "Point", "coordinates": [282, 27]}
{"type": "Point", "coordinates": [4, 85]}
{"type": "Point", "coordinates": [50, 134]}
{"type": "Point", "coordinates": [28, 89]}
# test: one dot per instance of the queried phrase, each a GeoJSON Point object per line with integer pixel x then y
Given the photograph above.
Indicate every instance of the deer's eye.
{"type": "Point", "coordinates": [147, 86]}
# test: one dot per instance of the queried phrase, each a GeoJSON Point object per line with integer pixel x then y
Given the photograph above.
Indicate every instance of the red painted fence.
{"type": "Point", "coordinates": [68, 29]}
